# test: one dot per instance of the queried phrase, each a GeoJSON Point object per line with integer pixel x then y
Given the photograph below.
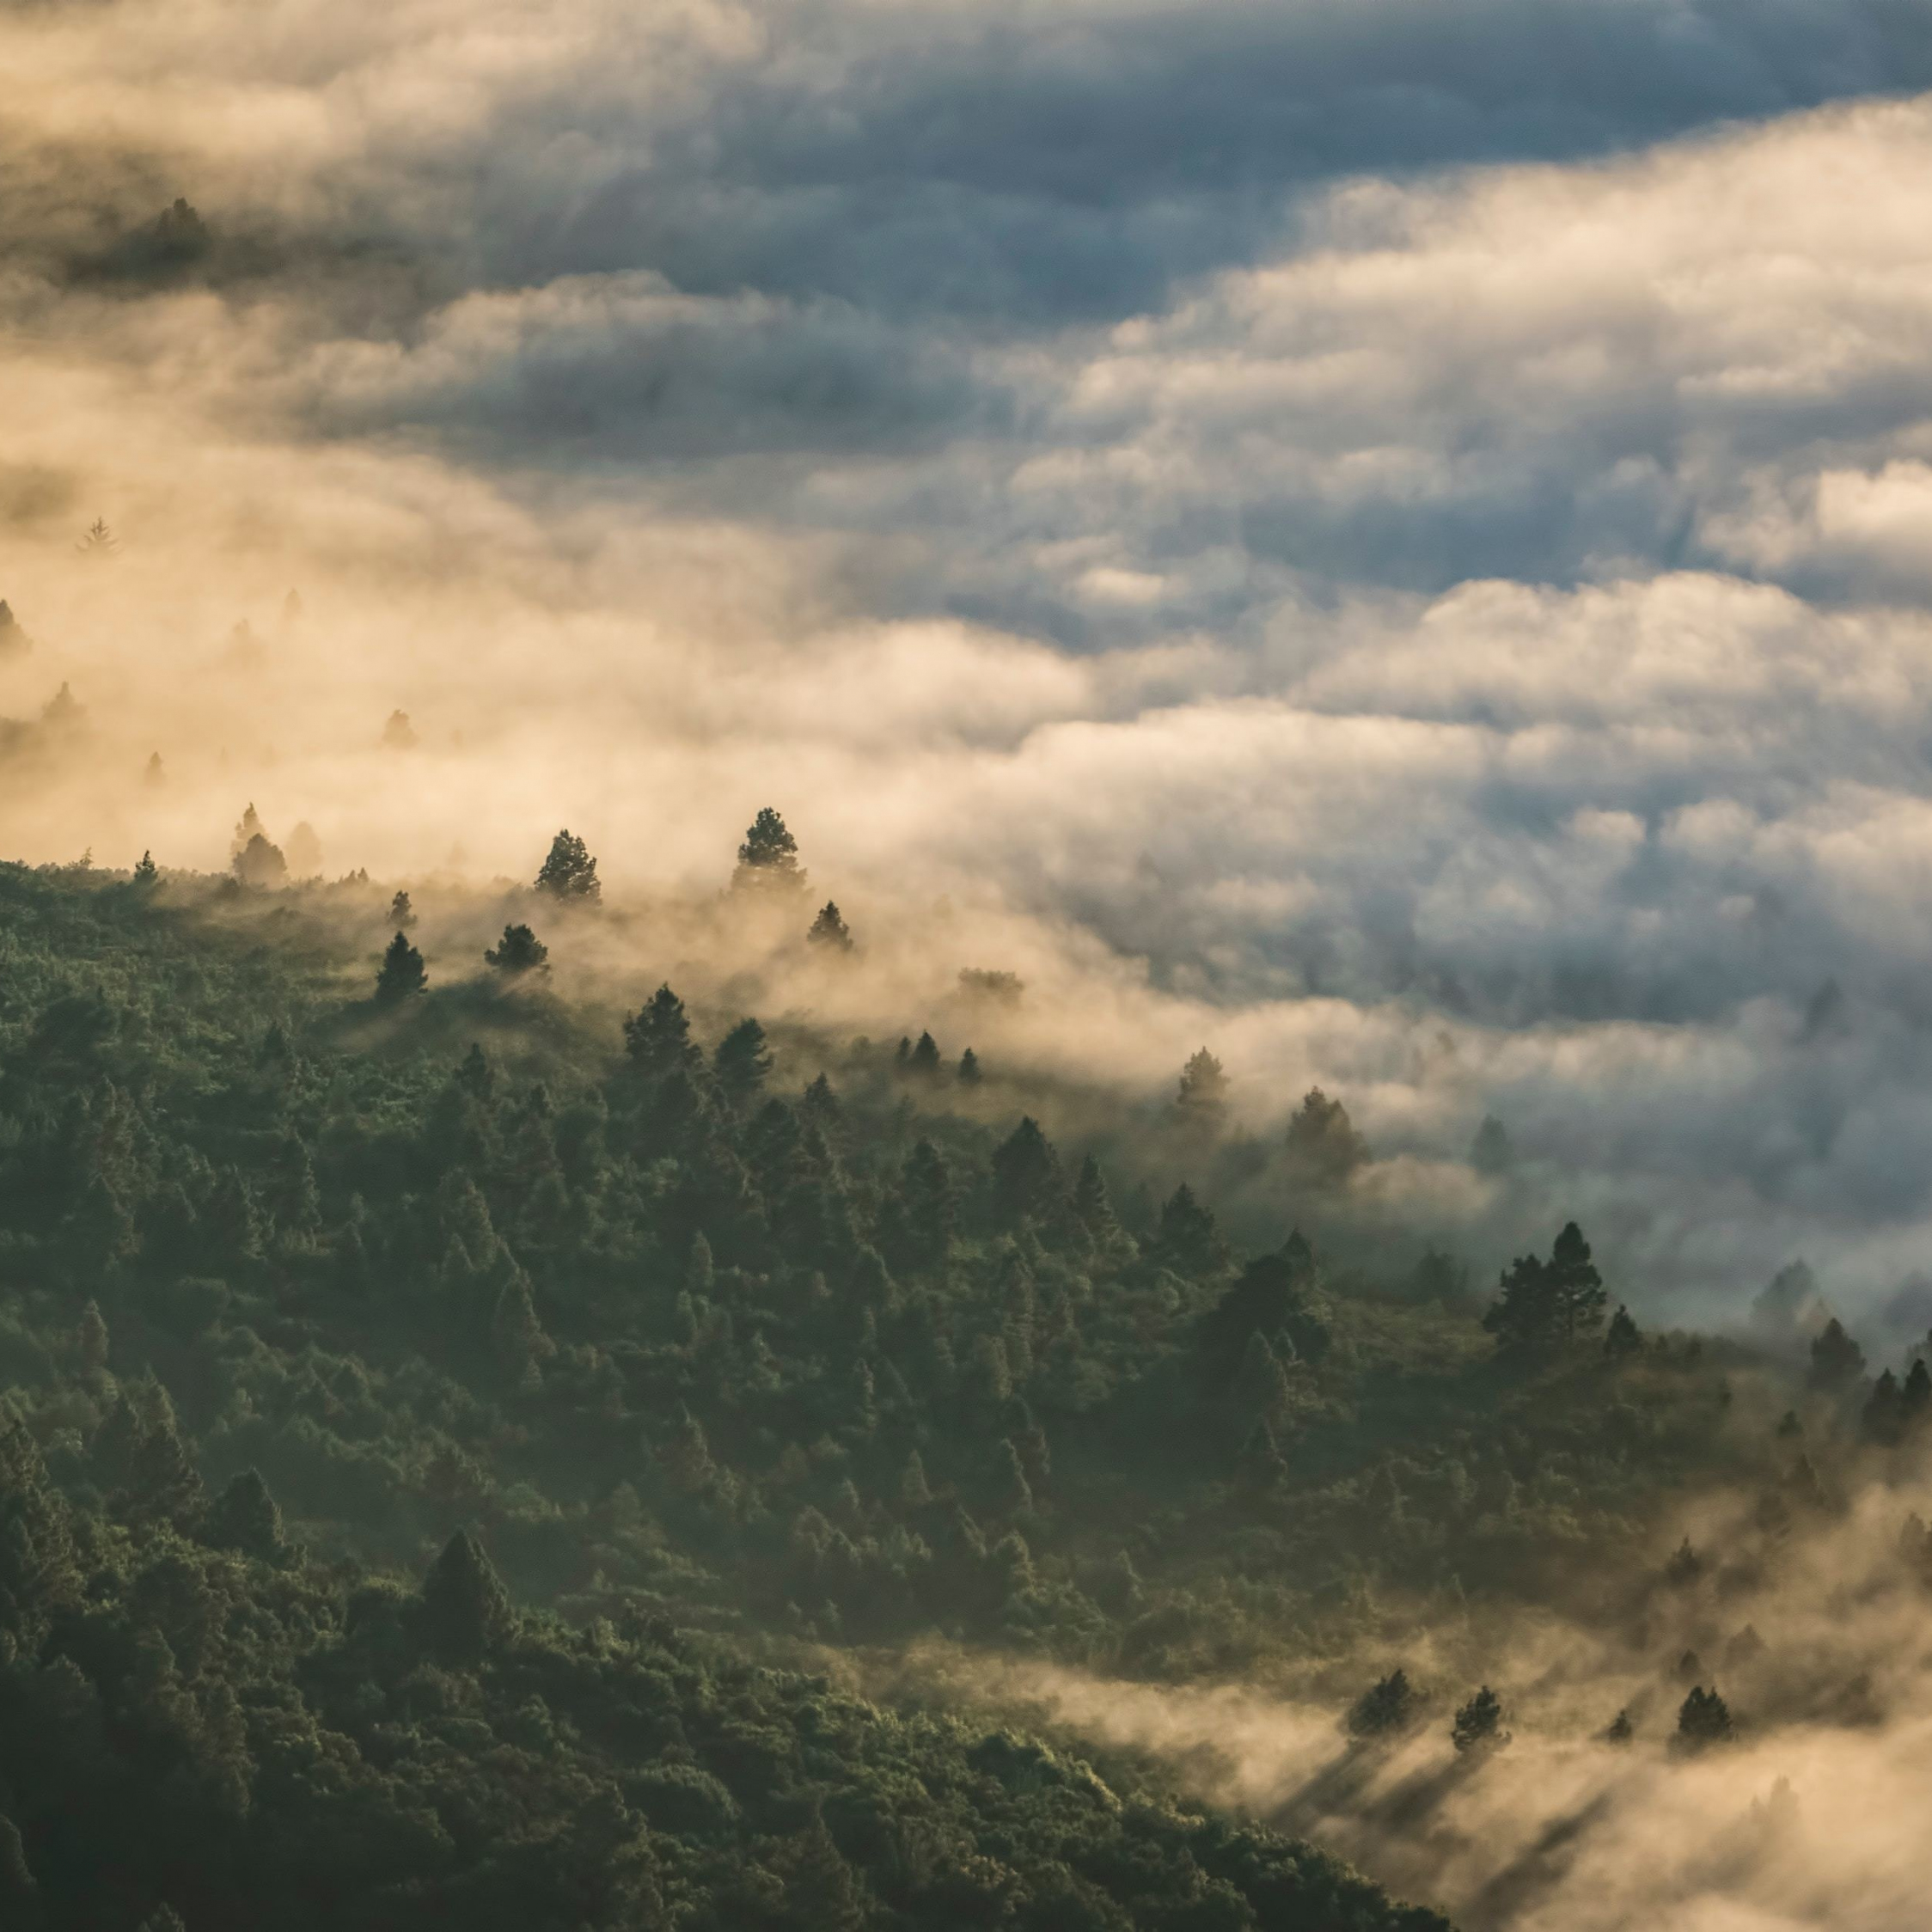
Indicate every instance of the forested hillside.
{"type": "Point", "coordinates": [445, 1423]}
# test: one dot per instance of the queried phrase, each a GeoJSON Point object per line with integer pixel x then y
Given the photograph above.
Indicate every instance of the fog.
{"type": "Point", "coordinates": [1415, 578]}
{"type": "Point", "coordinates": [1808, 1816]}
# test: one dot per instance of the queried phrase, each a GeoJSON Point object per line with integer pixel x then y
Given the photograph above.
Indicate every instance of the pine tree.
{"type": "Point", "coordinates": [1621, 1340]}
{"type": "Point", "coordinates": [1201, 1100]}
{"type": "Point", "coordinates": [249, 826]}
{"type": "Point", "coordinates": [1837, 1361]}
{"type": "Point", "coordinates": [1916, 1399]}
{"type": "Point", "coordinates": [465, 1609]}
{"type": "Point", "coordinates": [261, 864]}
{"type": "Point", "coordinates": [519, 951]}
{"type": "Point", "coordinates": [569, 873]}
{"type": "Point", "coordinates": [147, 873]}
{"type": "Point", "coordinates": [1702, 1720]}
{"type": "Point", "coordinates": [1015, 1492]}
{"type": "Point", "coordinates": [829, 930]}
{"type": "Point", "coordinates": [687, 1456]}
{"type": "Point", "coordinates": [245, 1517]}
{"type": "Point", "coordinates": [768, 859]}
{"type": "Point", "coordinates": [1884, 1419]}
{"type": "Point", "coordinates": [969, 1071]}
{"type": "Point", "coordinates": [1027, 1183]}
{"type": "Point", "coordinates": [923, 1062]}
{"type": "Point", "coordinates": [822, 1892]}
{"type": "Point", "coordinates": [741, 1064]}
{"type": "Point", "coordinates": [90, 1342]}
{"type": "Point", "coordinates": [1322, 1145]}
{"type": "Point", "coordinates": [402, 914]}
{"type": "Point", "coordinates": [1621, 1730]}
{"type": "Point", "coordinates": [1262, 1470]}
{"type": "Point", "coordinates": [1091, 1207]}
{"type": "Point", "coordinates": [1387, 1705]}
{"type": "Point", "coordinates": [515, 1333]}
{"type": "Point", "coordinates": [1545, 1305]}
{"type": "Point", "coordinates": [1479, 1725]}
{"type": "Point", "coordinates": [926, 1207]}
{"type": "Point", "coordinates": [1261, 1391]}
{"type": "Point", "coordinates": [1491, 1153]}
{"type": "Point", "coordinates": [657, 1037]}
{"type": "Point", "coordinates": [1187, 1239]}
{"type": "Point", "coordinates": [402, 974]}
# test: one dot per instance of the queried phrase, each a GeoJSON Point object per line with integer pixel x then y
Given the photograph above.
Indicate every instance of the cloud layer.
{"type": "Point", "coordinates": [1392, 538]}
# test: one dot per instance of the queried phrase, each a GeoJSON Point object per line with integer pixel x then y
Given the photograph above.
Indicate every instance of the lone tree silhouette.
{"type": "Point", "coordinates": [769, 856]}
{"type": "Point", "coordinates": [259, 863]}
{"type": "Point", "coordinates": [569, 873]}
{"type": "Point", "coordinates": [519, 951]}
{"type": "Point", "coordinates": [1704, 1718]}
{"type": "Point", "coordinates": [1479, 1725]}
{"type": "Point", "coordinates": [98, 540]}
{"type": "Point", "coordinates": [466, 1608]}
{"type": "Point", "coordinates": [829, 930]}
{"type": "Point", "coordinates": [402, 972]}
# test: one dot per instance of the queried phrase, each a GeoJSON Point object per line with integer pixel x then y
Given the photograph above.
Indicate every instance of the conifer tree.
{"type": "Point", "coordinates": [768, 859]}
{"type": "Point", "coordinates": [1915, 1401]}
{"type": "Point", "coordinates": [1837, 1361]}
{"type": "Point", "coordinates": [1201, 1100]}
{"type": "Point", "coordinates": [515, 1333]}
{"type": "Point", "coordinates": [1091, 1207]}
{"type": "Point", "coordinates": [91, 1340]}
{"type": "Point", "coordinates": [1387, 1705]}
{"type": "Point", "coordinates": [926, 1197]}
{"type": "Point", "coordinates": [1704, 1718]}
{"type": "Point", "coordinates": [1263, 1468]}
{"type": "Point", "coordinates": [1884, 1418]}
{"type": "Point", "coordinates": [923, 1062]}
{"type": "Point", "coordinates": [657, 1037]}
{"type": "Point", "coordinates": [402, 914]}
{"type": "Point", "coordinates": [741, 1064]}
{"type": "Point", "coordinates": [829, 930]}
{"type": "Point", "coordinates": [1622, 1339]}
{"type": "Point", "coordinates": [1015, 1492]}
{"type": "Point", "coordinates": [518, 951]}
{"type": "Point", "coordinates": [1489, 1152]}
{"type": "Point", "coordinates": [1545, 1305]}
{"type": "Point", "coordinates": [402, 974]}
{"type": "Point", "coordinates": [465, 1609]}
{"type": "Point", "coordinates": [569, 873]}
{"type": "Point", "coordinates": [971, 1073]}
{"type": "Point", "coordinates": [1187, 1239]}
{"type": "Point", "coordinates": [245, 1517]}
{"type": "Point", "coordinates": [147, 873]}
{"type": "Point", "coordinates": [261, 864]}
{"type": "Point", "coordinates": [1478, 1726]}
{"type": "Point", "coordinates": [1027, 1182]}
{"type": "Point", "coordinates": [1323, 1148]}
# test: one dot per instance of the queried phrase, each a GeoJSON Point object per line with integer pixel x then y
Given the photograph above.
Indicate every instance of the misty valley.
{"type": "Point", "coordinates": [522, 1410]}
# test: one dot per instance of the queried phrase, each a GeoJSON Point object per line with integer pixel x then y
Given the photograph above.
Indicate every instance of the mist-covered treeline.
{"type": "Point", "coordinates": [439, 1405]}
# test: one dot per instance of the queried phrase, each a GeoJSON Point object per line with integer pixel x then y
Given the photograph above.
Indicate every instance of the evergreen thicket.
{"type": "Point", "coordinates": [435, 1440]}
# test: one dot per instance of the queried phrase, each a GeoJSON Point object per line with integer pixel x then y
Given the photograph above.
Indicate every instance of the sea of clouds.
{"type": "Point", "coordinates": [1394, 539]}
